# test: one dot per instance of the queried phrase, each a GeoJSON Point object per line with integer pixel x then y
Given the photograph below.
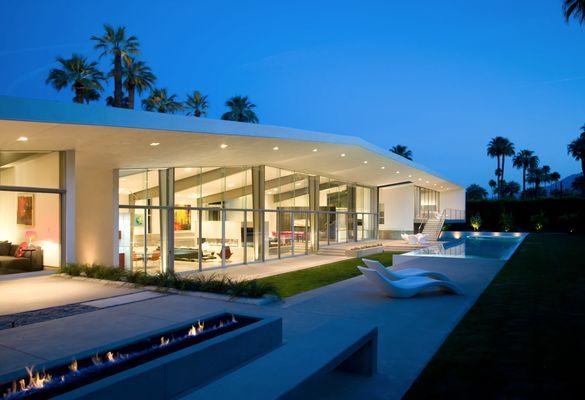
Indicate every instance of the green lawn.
{"type": "Point", "coordinates": [296, 282]}
{"type": "Point", "coordinates": [525, 336]}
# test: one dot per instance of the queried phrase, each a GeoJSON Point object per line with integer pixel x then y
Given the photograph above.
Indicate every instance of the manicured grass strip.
{"type": "Point", "coordinates": [525, 336]}
{"type": "Point", "coordinates": [300, 281]}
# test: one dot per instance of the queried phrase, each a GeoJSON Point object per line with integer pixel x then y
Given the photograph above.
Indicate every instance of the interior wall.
{"type": "Point", "coordinates": [398, 204]}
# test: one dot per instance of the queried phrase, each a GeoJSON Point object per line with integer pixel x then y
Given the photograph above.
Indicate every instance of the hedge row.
{"type": "Point", "coordinates": [556, 215]}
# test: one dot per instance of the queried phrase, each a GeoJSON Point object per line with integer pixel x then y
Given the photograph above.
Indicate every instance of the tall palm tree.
{"type": "Point", "coordinates": [137, 77]}
{"type": "Point", "coordinates": [574, 9]}
{"type": "Point", "coordinates": [114, 42]}
{"type": "Point", "coordinates": [197, 104]}
{"type": "Point", "coordinates": [500, 148]}
{"type": "Point", "coordinates": [577, 149]}
{"type": "Point", "coordinates": [161, 102]}
{"type": "Point", "coordinates": [241, 110]}
{"type": "Point", "coordinates": [403, 151]}
{"type": "Point", "coordinates": [507, 151]}
{"type": "Point", "coordinates": [83, 76]}
{"type": "Point", "coordinates": [524, 160]}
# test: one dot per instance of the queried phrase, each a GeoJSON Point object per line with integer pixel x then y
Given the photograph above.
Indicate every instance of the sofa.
{"type": "Point", "coordinates": [10, 263]}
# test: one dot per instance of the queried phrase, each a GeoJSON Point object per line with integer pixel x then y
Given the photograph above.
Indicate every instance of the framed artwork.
{"type": "Point", "coordinates": [138, 220]}
{"type": "Point", "coordinates": [183, 219]}
{"type": "Point", "coordinates": [25, 209]}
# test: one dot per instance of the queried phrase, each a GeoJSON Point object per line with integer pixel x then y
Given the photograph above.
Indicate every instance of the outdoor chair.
{"type": "Point", "coordinates": [407, 287]}
{"type": "Point", "coordinates": [403, 273]}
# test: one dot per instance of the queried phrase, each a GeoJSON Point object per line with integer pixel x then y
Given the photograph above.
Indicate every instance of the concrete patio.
{"type": "Point", "coordinates": [411, 330]}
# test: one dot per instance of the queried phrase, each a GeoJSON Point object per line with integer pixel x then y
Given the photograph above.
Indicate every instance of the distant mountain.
{"type": "Point", "coordinates": [565, 183]}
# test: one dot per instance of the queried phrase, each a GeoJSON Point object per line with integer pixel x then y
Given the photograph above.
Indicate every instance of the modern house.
{"type": "Point", "coordinates": [155, 192]}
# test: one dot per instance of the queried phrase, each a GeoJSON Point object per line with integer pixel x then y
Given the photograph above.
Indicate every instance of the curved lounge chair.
{"type": "Point", "coordinates": [403, 273]}
{"type": "Point", "coordinates": [407, 287]}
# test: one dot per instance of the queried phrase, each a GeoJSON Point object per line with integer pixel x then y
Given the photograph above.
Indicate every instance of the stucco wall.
{"type": "Point", "coordinates": [96, 225]}
{"type": "Point", "coordinates": [398, 202]}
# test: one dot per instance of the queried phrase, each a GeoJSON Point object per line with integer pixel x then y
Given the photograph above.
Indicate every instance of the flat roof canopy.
{"type": "Point", "coordinates": [120, 138]}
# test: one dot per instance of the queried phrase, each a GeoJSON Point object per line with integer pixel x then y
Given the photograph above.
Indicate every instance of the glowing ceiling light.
{"type": "Point", "coordinates": [22, 139]}
{"type": "Point", "coordinates": [382, 167]}
{"type": "Point", "coordinates": [342, 154]}
{"type": "Point", "coordinates": [154, 144]}
{"type": "Point", "coordinates": [275, 148]}
{"type": "Point", "coordinates": [397, 172]}
{"type": "Point", "coordinates": [223, 145]}
{"type": "Point", "coordinates": [315, 150]}
{"type": "Point", "coordinates": [365, 162]}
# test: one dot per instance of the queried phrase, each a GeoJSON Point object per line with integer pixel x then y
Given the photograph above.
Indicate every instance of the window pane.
{"type": "Point", "coordinates": [33, 169]}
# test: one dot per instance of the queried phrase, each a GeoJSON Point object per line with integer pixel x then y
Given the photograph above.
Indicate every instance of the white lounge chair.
{"type": "Point", "coordinates": [403, 273]}
{"type": "Point", "coordinates": [404, 237]}
{"type": "Point", "coordinates": [421, 238]}
{"type": "Point", "coordinates": [407, 287]}
{"type": "Point", "coordinates": [412, 239]}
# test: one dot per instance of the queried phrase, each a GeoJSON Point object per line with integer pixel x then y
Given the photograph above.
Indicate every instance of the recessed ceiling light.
{"type": "Point", "coordinates": [410, 176]}
{"type": "Point", "coordinates": [434, 184]}
{"type": "Point", "coordinates": [275, 148]}
{"type": "Point", "coordinates": [382, 167]}
{"type": "Point", "coordinates": [223, 145]}
{"type": "Point", "coordinates": [427, 181]}
{"type": "Point", "coordinates": [22, 139]}
{"type": "Point", "coordinates": [420, 179]}
{"type": "Point", "coordinates": [342, 154]}
{"type": "Point", "coordinates": [397, 172]}
{"type": "Point", "coordinates": [276, 189]}
{"type": "Point", "coordinates": [315, 150]}
{"type": "Point", "coordinates": [365, 162]}
{"type": "Point", "coordinates": [153, 144]}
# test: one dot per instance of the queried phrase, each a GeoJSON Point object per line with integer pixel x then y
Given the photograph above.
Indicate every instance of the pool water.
{"type": "Point", "coordinates": [478, 245]}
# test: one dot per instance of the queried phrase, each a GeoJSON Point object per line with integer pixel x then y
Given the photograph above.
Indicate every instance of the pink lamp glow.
{"type": "Point", "coordinates": [30, 235]}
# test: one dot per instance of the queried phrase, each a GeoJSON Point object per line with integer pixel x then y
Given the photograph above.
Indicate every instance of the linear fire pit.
{"type": "Point", "coordinates": [157, 365]}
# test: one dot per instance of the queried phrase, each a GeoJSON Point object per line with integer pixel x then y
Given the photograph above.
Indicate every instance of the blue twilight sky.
{"type": "Point", "coordinates": [441, 77]}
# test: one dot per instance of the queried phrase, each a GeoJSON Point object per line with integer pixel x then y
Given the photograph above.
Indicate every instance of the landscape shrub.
{"type": "Point", "coordinates": [539, 220]}
{"type": "Point", "coordinates": [507, 221]}
{"type": "Point", "coordinates": [220, 284]}
{"type": "Point", "coordinates": [563, 215]}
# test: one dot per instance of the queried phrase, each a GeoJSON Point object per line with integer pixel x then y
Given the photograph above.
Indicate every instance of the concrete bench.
{"type": "Point", "coordinates": [282, 373]}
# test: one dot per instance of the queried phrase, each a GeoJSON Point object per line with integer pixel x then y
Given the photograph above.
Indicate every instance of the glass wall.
{"type": "Point", "coordinates": [31, 217]}
{"type": "Point", "coordinates": [215, 224]}
{"type": "Point", "coordinates": [426, 202]}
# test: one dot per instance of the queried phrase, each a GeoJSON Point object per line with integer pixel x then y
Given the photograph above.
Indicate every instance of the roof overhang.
{"type": "Point", "coordinates": [120, 138]}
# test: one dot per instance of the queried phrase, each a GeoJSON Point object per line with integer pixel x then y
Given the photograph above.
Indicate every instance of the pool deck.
{"type": "Point", "coordinates": [411, 330]}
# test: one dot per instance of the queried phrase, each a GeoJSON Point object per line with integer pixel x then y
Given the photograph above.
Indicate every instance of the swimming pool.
{"type": "Point", "coordinates": [478, 245]}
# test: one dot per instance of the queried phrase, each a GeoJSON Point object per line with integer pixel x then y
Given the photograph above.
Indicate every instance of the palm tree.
{"type": "Point", "coordinates": [197, 103]}
{"type": "Point", "coordinates": [138, 77]}
{"type": "Point", "coordinates": [114, 42]}
{"type": "Point", "coordinates": [241, 110]}
{"type": "Point", "coordinates": [493, 185]}
{"type": "Point", "coordinates": [577, 149]}
{"type": "Point", "coordinates": [535, 176]}
{"type": "Point", "coordinates": [499, 148]}
{"type": "Point", "coordinates": [574, 9]}
{"type": "Point", "coordinates": [77, 72]}
{"type": "Point", "coordinates": [91, 95]}
{"type": "Point", "coordinates": [524, 160]}
{"type": "Point", "coordinates": [161, 102]}
{"type": "Point", "coordinates": [402, 151]}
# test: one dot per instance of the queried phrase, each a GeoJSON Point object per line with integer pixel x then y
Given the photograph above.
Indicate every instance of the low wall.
{"type": "Point", "coordinates": [187, 369]}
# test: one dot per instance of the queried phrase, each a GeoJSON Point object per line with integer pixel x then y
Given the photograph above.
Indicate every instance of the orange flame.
{"type": "Point", "coordinates": [73, 366]}
{"type": "Point", "coordinates": [164, 341]}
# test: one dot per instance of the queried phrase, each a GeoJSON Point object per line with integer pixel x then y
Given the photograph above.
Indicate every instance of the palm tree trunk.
{"type": "Point", "coordinates": [117, 80]}
{"type": "Point", "coordinates": [503, 162]}
{"type": "Point", "coordinates": [498, 177]}
{"type": "Point", "coordinates": [131, 90]}
{"type": "Point", "coordinates": [197, 113]}
{"type": "Point", "coordinates": [524, 183]}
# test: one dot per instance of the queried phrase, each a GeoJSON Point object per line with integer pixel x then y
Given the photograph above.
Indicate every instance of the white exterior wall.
{"type": "Point", "coordinates": [453, 199]}
{"type": "Point", "coordinates": [398, 204]}
{"type": "Point", "coordinates": [97, 215]}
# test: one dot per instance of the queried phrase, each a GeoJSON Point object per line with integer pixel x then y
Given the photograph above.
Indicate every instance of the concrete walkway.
{"type": "Point", "coordinates": [261, 270]}
{"type": "Point", "coordinates": [33, 293]}
{"type": "Point", "coordinates": [411, 330]}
